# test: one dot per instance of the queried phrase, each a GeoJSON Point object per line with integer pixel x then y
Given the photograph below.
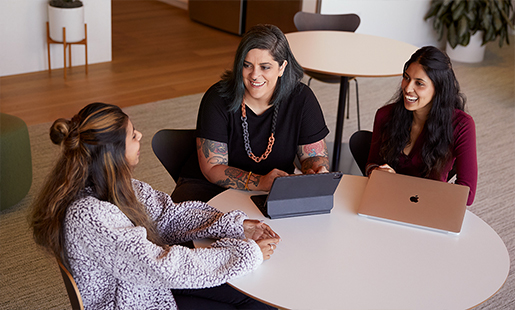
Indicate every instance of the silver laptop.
{"type": "Point", "coordinates": [414, 201]}
{"type": "Point", "coordinates": [298, 195]}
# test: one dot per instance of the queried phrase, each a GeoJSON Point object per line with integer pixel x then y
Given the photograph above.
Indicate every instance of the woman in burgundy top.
{"type": "Point", "coordinates": [424, 130]}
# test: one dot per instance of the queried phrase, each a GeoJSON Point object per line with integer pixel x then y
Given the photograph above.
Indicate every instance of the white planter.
{"type": "Point", "coordinates": [70, 18]}
{"type": "Point", "coordinates": [471, 53]}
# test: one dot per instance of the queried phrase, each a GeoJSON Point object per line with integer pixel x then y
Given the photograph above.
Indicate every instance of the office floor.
{"type": "Point", "coordinates": [158, 53]}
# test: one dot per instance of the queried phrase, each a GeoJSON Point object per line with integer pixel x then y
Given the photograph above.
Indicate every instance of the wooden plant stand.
{"type": "Point", "coordinates": [65, 45]}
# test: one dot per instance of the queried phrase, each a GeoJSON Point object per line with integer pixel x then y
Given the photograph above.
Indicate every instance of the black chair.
{"type": "Point", "coordinates": [173, 148]}
{"type": "Point", "coordinates": [305, 21]}
{"type": "Point", "coordinates": [71, 288]}
{"type": "Point", "coordinates": [359, 144]}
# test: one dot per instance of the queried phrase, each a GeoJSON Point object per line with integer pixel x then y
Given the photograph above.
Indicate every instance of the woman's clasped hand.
{"type": "Point", "coordinates": [264, 236]}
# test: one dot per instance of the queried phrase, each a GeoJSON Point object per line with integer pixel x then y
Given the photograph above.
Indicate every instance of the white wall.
{"type": "Point", "coordinates": [402, 20]}
{"type": "Point", "coordinates": [23, 46]}
{"type": "Point", "coordinates": [309, 6]}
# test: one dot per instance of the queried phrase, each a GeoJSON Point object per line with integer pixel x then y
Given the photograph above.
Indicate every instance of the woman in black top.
{"type": "Point", "coordinates": [253, 123]}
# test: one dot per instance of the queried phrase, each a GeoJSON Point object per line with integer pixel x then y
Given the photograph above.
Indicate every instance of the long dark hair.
{"type": "Point", "coordinates": [265, 37]}
{"type": "Point", "coordinates": [436, 151]}
{"type": "Point", "coordinates": [92, 155]}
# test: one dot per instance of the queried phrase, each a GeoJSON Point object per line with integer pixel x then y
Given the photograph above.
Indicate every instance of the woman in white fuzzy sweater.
{"type": "Point", "coordinates": [120, 238]}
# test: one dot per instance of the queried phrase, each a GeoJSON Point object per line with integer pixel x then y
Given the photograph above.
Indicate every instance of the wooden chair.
{"type": "Point", "coordinates": [173, 148]}
{"type": "Point", "coordinates": [71, 288]}
{"type": "Point", "coordinates": [305, 21]}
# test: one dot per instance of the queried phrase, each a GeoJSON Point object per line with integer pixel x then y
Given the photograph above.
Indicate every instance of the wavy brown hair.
{"type": "Point", "coordinates": [92, 155]}
{"type": "Point", "coordinates": [439, 137]}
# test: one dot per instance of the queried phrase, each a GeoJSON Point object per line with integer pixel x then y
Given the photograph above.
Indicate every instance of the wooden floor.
{"type": "Point", "coordinates": [158, 53]}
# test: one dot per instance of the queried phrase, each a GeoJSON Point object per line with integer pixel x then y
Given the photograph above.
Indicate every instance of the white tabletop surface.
{"type": "Point", "coordinates": [344, 261]}
{"type": "Point", "coordinates": [349, 53]}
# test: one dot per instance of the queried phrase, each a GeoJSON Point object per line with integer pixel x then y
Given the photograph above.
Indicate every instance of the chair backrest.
{"type": "Point", "coordinates": [173, 148]}
{"type": "Point", "coordinates": [359, 144]}
{"type": "Point", "coordinates": [71, 288]}
{"type": "Point", "coordinates": [305, 21]}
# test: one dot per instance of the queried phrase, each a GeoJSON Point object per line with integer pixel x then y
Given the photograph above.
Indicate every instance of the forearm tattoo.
{"type": "Point", "coordinates": [236, 178]}
{"type": "Point", "coordinates": [216, 153]}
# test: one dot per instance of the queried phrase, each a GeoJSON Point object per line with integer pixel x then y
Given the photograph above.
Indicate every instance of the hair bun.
{"type": "Point", "coordinates": [59, 130]}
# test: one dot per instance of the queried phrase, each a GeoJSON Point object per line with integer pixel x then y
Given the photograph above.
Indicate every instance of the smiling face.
{"type": "Point", "coordinates": [132, 145]}
{"type": "Point", "coordinates": [260, 74]}
{"type": "Point", "coordinates": [418, 89]}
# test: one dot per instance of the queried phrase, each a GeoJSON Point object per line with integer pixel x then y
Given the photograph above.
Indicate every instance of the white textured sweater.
{"type": "Point", "coordinates": [116, 267]}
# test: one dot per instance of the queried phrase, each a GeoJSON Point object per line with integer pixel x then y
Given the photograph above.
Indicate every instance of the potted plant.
{"type": "Point", "coordinates": [470, 23]}
{"type": "Point", "coordinates": [68, 14]}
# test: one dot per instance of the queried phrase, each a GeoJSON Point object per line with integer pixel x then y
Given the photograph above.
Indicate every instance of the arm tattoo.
{"type": "Point", "coordinates": [314, 149]}
{"type": "Point", "coordinates": [214, 152]}
{"type": "Point", "coordinates": [317, 153]}
{"type": "Point", "coordinates": [236, 178]}
{"type": "Point", "coordinates": [217, 160]}
{"type": "Point", "coordinates": [210, 146]}
{"type": "Point", "coordinates": [254, 179]}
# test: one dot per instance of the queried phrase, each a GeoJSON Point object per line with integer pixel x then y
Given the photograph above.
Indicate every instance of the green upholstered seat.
{"type": "Point", "coordinates": [15, 161]}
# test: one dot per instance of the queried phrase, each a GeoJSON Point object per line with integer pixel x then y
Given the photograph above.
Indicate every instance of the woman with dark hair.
{"type": "Point", "coordinates": [253, 123]}
{"type": "Point", "coordinates": [424, 131]}
{"type": "Point", "coordinates": [119, 237]}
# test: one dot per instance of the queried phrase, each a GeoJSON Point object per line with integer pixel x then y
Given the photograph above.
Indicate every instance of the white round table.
{"type": "Point", "coordinates": [343, 261]}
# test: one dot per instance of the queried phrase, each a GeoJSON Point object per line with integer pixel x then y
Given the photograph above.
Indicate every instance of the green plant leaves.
{"type": "Point", "coordinates": [462, 18]}
{"type": "Point", "coordinates": [458, 9]}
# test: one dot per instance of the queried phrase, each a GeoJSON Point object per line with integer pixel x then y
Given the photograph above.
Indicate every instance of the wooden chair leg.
{"type": "Point", "coordinates": [64, 51]}
{"type": "Point", "coordinates": [86, 45]}
{"type": "Point", "coordinates": [70, 56]}
{"type": "Point", "coordinates": [48, 46]}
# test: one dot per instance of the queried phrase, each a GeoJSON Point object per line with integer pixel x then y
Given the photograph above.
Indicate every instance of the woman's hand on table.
{"type": "Point", "coordinates": [385, 167]}
{"type": "Point", "coordinates": [258, 230]}
{"type": "Point", "coordinates": [268, 246]}
{"type": "Point", "coordinates": [264, 236]}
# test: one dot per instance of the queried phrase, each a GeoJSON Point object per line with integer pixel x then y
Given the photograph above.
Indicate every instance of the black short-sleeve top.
{"type": "Point", "coordinates": [300, 121]}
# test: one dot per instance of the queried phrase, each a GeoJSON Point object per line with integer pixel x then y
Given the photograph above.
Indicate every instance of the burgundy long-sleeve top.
{"type": "Point", "coordinates": [464, 154]}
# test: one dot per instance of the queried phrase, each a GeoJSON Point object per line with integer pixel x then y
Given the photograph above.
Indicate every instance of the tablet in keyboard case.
{"type": "Point", "coordinates": [299, 195]}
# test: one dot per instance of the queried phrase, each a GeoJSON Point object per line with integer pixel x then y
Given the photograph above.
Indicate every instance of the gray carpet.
{"type": "Point", "coordinates": [30, 279]}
